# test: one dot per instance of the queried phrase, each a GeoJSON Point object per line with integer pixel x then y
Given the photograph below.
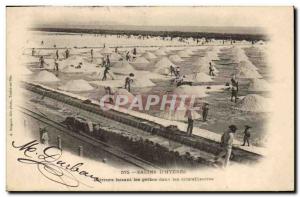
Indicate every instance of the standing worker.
{"type": "Point", "coordinates": [205, 111]}
{"type": "Point", "coordinates": [106, 71]}
{"type": "Point", "coordinates": [33, 52]}
{"type": "Point", "coordinates": [92, 54]}
{"type": "Point", "coordinates": [42, 62]}
{"type": "Point", "coordinates": [57, 55]}
{"type": "Point", "coordinates": [107, 60]}
{"type": "Point", "coordinates": [172, 70]}
{"type": "Point", "coordinates": [246, 135]}
{"type": "Point", "coordinates": [211, 70]}
{"type": "Point", "coordinates": [67, 53]}
{"type": "Point", "coordinates": [55, 65]}
{"type": "Point", "coordinates": [128, 81]}
{"type": "Point", "coordinates": [234, 88]}
{"type": "Point", "coordinates": [189, 115]}
{"type": "Point", "coordinates": [226, 143]}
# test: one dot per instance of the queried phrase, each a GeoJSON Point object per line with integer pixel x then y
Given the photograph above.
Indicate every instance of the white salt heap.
{"type": "Point", "coordinates": [142, 81]}
{"type": "Point", "coordinates": [115, 57]}
{"type": "Point", "coordinates": [122, 67]}
{"type": "Point", "coordinates": [253, 103]}
{"type": "Point", "coordinates": [149, 55]}
{"type": "Point", "coordinates": [243, 72]}
{"type": "Point", "coordinates": [124, 93]}
{"type": "Point", "coordinates": [259, 85]}
{"type": "Point", "coordinates": [141, 60]}
{"type": "Point", "coordinates": [160, 52]}
{"type": "Point", "coordinates": [106, 51]}
{"type": "Point", "coordinates": [183, 54]}
{"type": "Point", "coordinates": [100, 73]}
{"type": "Point", "coordinates": [175, 58]}
{"type": "Point", "coordinates": [197, 91]}
{"type": "Point", "coordinates": [45, 76]}
{"type": "Point", "coordinates": [247, 65]}
{"type": "Point", "coordinates": [198, 77]}
{"type": "Point", "coordinates": [76, 86]}
{"type": "Point", "coordinates": [163, 66]}
{"type": "Point", "coordinates": [25, 71]}
{"type": "Point", "coordinates": [164, 62]}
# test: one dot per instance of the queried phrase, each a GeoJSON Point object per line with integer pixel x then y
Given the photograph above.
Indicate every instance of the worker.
{"type": "Point", "coordinates": [67, 53]}
{"type": "Point", "coordinates": [42, 62]}
{"type": "Point", "coordinates": [189, 115]}
{"type": "Point", "coordinates": [57, 55]}
{"type": "Point", "coordinates": [134, 51]}
{"type": "Point", "coordinates": [177, 71]}
{"type": "Point", "coordinates": [128, 81]}
{"type": "Point", "coordinates": [106, 71]}
{"type": "Point", "coordinates": [211, 70]}
{"type": "Point", "coordinates": [127, 56]}
{"type": "Point", "coordinates": [234, 88]}
{"type": "Point", "coordinates": [44, 136]}
{"type": "Point", "coordinates": [205, 111]}
{"type": "Point", "coordinates": [108, 91]}
{"type": "Point", "coordinates": [92, 54]}
{"type": "Point", "coordinates": [172, 70]}
{"type": "Point", "coordinates": [226, 143]}
{"type": "Point", "coordinates": [33, 52]}
{"type": "Point", "coordinates": [107, 60]}
{"type": "Point", "coordinates": [247, 135]}
{"type": "Point", "coordinates": [55, 65]}
{"type": "Point", "coordinates": [116, 50]}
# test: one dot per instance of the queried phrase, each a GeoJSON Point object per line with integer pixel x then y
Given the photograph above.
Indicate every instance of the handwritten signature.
{"type": "Point", "coordinates": [51, 166]}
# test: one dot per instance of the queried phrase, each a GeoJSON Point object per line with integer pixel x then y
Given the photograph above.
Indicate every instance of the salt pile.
{"type": "Point", "coordinates": [122, 67]}
{"type": "Point", "coordinates": [26, 71]}
{"type": "Point", "coordinates": [45, 76]}
{"type": "Point", "coordinates": [247, 65]}
{"type": "Point", "coordinates": [151, 75]}
{"type": "Point", "coordinates": [163, 66]}
{"type": "Point", "coordinates": [189, 51]}
{"type": "Point", "coordinates": [79, 85]}
{"type": "Point", "coordinates": [100, 73]}
{"type": "Point", "coordinates": [149, 55]}
{"type": "Point", "coordinates": [183, 54]}
{"type": "Point", "coordinates": [212, 55]}
{"type": "Point", "coordinates": [115, 57]}
{"type": "Point", "coordinates": [142, 81]}
{"type": "Point", "coordinates": [201, 61]}
{"type": "Point", "coordinates": [191, 90]}
{"type": "Point", "coordinates": [164, 62]}
{"type": "Point", "coordinates": [259, 85]}
{"type": "Point", "coordinates": [124, 93]}
{"type": "Point", "coordinates": [254, 103]}
{"type": "Point", "coordinates": [141, 60]}
{"type": "Point", "coordinates": [198, 77]}
{"type": "Point", "coordinates": [160, 52]}
{"type": "Point", "coordinates": [243, 72]}
{"type": "Point", "coordinates": [175, 58]}
{"type": "Point", "coordinates": [106, 50]}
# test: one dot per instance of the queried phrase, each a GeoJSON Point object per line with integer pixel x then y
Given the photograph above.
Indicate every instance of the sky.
{"type": "Point", "coordinates": [149, 16]}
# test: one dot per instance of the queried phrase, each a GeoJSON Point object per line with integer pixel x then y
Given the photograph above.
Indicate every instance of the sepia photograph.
{"type": "Point", "coordinates": [150, 98]}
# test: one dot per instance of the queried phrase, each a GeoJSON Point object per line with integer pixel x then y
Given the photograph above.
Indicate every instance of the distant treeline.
{"type": "Point", "coordinates": [172, 34]}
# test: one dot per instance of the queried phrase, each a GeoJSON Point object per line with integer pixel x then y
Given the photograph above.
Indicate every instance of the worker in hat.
{"type": "Point", "coordinates": [226, 143]}
{"type": "Point", "coordinates": [128, 81]}
{"type": "Point", "coordinates": [246, 135]}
